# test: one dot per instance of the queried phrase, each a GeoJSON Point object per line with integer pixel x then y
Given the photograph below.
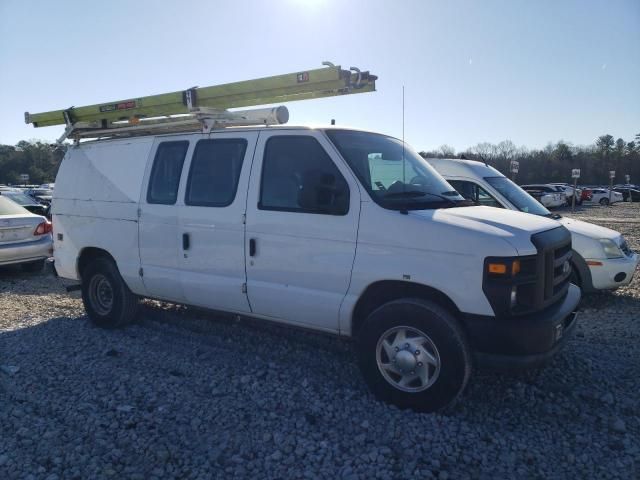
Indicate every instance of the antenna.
{"type": "Point", "coordinates": [404, 179]}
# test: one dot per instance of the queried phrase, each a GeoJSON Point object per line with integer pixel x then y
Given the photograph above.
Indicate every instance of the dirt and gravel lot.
{"type": "Point", "coordinates": [189, 394]}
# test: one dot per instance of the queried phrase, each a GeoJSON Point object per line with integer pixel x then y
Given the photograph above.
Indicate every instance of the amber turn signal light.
{"type": "Point", "coordinates": [515, 267]}
{"type": "Point", "coordinates": [498, 268]}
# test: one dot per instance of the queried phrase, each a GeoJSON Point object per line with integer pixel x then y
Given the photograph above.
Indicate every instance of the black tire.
{"type": "Point", "coordinates": [575, 276]}
{"type": "Point", "coordinates": [604, 202]}
{"type": "Point", "coordinates": [33, 267]}
{"type": "Point", "coordinates": [442, 330]}
{"type": "Point", "coordinates": [579, 202]}
{"type": "Point", "coordinates": [107, 299]}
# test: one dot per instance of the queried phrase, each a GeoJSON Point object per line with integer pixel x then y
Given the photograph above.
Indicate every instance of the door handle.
{"type": "Point", "coordinates": [252, 247]}
{"type": "Point", "coordinates": [186, 241]}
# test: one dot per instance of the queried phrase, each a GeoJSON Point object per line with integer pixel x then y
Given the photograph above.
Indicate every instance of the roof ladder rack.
{"type": "Point", "coordinates": [205, 108]}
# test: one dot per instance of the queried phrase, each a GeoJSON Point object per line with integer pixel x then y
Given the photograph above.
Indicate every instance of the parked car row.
{"type": "Point", "coordinates": [554, 195]}
{"type": "Point", "coordinates": [36, 199]}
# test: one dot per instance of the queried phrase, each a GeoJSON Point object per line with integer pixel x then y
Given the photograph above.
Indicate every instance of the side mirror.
{"type": "Point", "coordinates": [322, 192]}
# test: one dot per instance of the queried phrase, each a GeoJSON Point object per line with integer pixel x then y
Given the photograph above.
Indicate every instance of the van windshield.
{"type": "Point", "coordinates": [396, 178]}
{"type": "Point", "coordinates": [517, 196]}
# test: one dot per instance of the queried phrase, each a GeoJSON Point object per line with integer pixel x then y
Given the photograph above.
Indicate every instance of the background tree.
{"type": "Point", "coordinates": [554, 162]}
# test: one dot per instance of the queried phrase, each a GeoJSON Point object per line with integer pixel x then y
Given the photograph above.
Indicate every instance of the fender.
{"type": "Point", "coordinates": [584, 273]}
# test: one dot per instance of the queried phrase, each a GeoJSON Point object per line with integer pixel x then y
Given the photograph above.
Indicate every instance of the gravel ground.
{"type": "Point", "coordinates": [189, 394]}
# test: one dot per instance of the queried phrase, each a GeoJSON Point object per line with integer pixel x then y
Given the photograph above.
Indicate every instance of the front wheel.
{"type": "Point", "coordinates": [413, 353]}
{"type": "Point", "coordinates": [604, 202]}
{"type": "Point", "coordinates": [106, 297]}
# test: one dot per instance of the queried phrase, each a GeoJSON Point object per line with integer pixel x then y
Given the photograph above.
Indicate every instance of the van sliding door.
{"type": "Point", "coordinates": [212, 229]}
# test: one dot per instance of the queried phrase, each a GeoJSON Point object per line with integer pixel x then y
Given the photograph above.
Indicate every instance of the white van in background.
{"type": "Point", "coordinates": [601, 260]}
{"type": "Point", "coordinates": [338, 230]}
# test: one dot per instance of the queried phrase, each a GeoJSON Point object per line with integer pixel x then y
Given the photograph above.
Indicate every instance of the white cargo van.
{"type": "Point", "coordinates": [338, 230]}
{"type": "Point", "coordinates": [602, 259]}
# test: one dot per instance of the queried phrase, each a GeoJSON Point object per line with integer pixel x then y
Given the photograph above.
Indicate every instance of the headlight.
{"type": "Point", "coordinates": [611, 250]}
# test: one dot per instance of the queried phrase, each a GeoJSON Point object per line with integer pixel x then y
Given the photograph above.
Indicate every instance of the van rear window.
{"type": "Point", "coordinates": [166, 171]}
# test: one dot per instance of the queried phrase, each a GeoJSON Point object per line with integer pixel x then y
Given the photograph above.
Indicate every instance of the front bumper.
{"type": "Point", "coordinates": [523, 341]}
{"type": "Point", "coordinates": [23, 252]}
{"type": "Point", "coordinates": [603, 276]}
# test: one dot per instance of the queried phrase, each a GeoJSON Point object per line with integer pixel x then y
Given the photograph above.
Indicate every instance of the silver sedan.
{"type": "Point", "coordinates": [25, 238]}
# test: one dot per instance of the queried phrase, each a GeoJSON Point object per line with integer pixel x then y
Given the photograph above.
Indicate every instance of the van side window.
{"type": "Point", "coordinates": [299, 176]}
{"type": "Point", "coordinates": [215, 171]}
{"type": "Point", "coordinates": [475, 193]}
{"type": "Point", "coordinates": [165, 174]}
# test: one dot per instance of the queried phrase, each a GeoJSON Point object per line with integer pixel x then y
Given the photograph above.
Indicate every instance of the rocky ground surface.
{"type": "Point", "coordinates": [189, 394]}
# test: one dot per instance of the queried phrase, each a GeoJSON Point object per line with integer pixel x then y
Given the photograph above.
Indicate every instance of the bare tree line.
{"type": "Point", "coordinates": [555, 162]}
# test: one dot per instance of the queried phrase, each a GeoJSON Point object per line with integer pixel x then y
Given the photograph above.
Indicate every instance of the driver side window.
{"type": "Point", "coordinates": [474, 192]}
{"type": "Point", "coordinates": [299, 176]}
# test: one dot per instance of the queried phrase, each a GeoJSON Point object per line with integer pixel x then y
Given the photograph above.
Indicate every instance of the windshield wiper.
{"type": "Point", "coordinates": [554, 216]}
{"type": "Point", "coordinates": [405, 194]}
{"type": "Point", "coordinates": [417, 193]}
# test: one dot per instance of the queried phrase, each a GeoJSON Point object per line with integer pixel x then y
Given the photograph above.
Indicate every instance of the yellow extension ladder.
{"type": "Point", "coordinates": [205, 107]}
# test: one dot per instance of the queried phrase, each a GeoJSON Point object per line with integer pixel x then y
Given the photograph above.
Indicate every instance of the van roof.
{"type": "Point", "coordinates": [253, 128]}
{"type": "Point", "coordinates": [455, 167]}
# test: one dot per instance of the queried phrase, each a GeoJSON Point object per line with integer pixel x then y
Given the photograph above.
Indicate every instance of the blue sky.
{"type": "Point", "coordinates": [473, 71]}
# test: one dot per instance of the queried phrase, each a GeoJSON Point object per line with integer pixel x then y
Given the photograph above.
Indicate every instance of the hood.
{"type": "Point", "coordinates": [514, 227]}
{"type": "Point", "coordinates": [588, 229]}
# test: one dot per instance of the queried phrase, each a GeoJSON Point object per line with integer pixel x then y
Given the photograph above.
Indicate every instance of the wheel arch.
{"type": "Point", "coordinates": [87, 254]}
{"type": "Point", "coordinates": [383, 291]}
{"type": "Point", "coordinates": [582, 269]}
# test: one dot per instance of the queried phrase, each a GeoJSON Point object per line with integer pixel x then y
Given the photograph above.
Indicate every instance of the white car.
{"type": "Point", "coordinates": [569, 192]}
{"type": "Point", "coordinates": [338, 230]}
{"type": "Point", "coordinates": [601, 196]}
{"type": "Point", "coordinates": [553, 196]}
{"type": "Point", "coordinates": [25, 238]}
{"type": "Point", "coordinates": [602, 259]}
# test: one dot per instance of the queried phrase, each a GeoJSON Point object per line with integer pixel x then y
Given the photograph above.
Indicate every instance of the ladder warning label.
{"type": "Point", "coordinates": [303, 77]}
{"type": "Point", "coordinates": [118, 106]}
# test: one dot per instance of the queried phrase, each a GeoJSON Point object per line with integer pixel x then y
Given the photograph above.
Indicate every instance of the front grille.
{"type": "Point", "coordinates": [553, 265]}
{"type": "Point", "coordinates": [624, 246]}
{"type": "Point", "coordinates": [543, 279]}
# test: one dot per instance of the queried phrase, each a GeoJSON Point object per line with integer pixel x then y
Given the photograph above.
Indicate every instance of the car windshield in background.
{"type": "Point", "coordinates": [38, 192]}
{"type": "Point", "coordinates": [19, 198]}
{"type": "Point", "coordinates": [517, 196]}
{"type": "Point", "coordinates": [394, 183]}
{"type": "Point", "coordinates": [9, 207]}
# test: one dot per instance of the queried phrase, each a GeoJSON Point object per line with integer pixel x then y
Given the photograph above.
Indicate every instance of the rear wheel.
{"type": "Point", "coordinates": [604, 201]}
{"type": "Point", "coordinates": [107, 299]}
{"type": "Point", "coordinates": [33, 267]}
{"type": "Point", "coordinates": [413, 353]}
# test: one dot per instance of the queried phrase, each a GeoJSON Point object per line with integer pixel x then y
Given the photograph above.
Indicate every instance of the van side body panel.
{"type": "Point", "coordinates": [410, 248]}
{"type": "Point", "coordinates": [95, 204]}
